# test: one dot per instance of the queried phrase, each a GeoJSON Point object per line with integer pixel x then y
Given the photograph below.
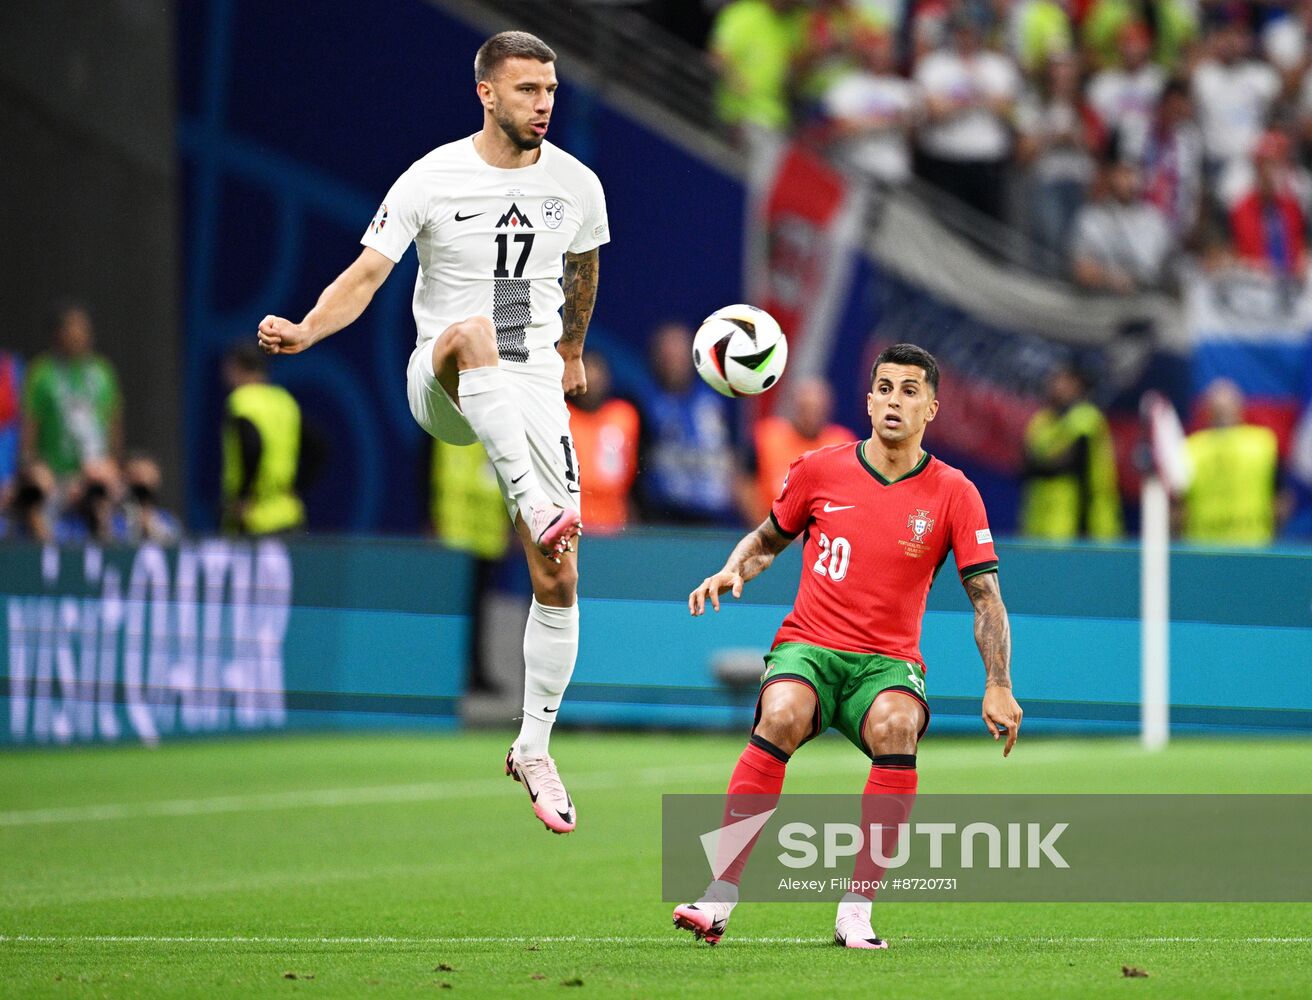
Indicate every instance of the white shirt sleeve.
{"type": "Point", "coordinates": [398, 219]}
{"type": "Point", "coordinates": [1003, 79]}
{"type": "Point", "coordinates": [1269, 82]}
{"type": "Point", "coordinates": [1102, 93]}
{"type": "Point", "coordinates": [843, 98]}
{"type": "Point", "coordinates": [932, 74]}
{"type": "Point", "coordinates": [1084, 236]}
{"type": "Point", "coordinates": [595, 227]}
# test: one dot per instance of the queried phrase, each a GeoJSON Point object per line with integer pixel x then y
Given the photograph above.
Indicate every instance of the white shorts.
{"type": "Point", "coordinates": [541, 403]}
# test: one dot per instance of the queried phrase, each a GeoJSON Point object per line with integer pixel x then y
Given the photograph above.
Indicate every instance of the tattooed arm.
{"type": "Point", "coordinates": [993, 637]}
{"type": "Point", "coordinates": [750, 558]}
{"type": "Point", "coordinates": [580, 285]}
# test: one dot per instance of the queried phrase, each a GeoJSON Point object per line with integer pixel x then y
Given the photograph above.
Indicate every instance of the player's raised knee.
{"type": "Point", "coordinates": [472, 341]}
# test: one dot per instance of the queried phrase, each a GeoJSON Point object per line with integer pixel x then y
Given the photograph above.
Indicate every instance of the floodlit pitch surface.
{"type": "Point", "coordinates": [399, 865]}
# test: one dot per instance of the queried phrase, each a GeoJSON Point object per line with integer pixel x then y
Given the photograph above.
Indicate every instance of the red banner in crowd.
{"type": "Point", "coordinates": [806, 221]}
{"type": "Point", "coordinates": [805, 196]}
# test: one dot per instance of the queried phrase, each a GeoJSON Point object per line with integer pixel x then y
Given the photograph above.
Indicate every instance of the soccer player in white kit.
{"type": "Point", "coordinates": [507, 228]}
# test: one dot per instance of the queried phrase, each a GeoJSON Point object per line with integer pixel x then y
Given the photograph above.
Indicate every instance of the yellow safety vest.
{"type": "Point", "coordinates": [466, 504]}
{"type": "Point", "coordinates": [1232, 497]}
{"type": "Point", "coordinates": [273, 504]}
{"type": "Point", "coordinates": [1080, 503]}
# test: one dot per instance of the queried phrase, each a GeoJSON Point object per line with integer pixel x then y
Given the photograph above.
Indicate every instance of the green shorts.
{"type": "Point", "coordinates": [845, 684]}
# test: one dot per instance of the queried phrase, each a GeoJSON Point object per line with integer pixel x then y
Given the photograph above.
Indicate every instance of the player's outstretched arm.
{"type": "Point", "coordinates": [750, 558]}
{"type": "Point", "coordinates": [339, 306]}
{"type": "Point", "coordinates": [993, 637]}
{"type": "Point", "coordinates": [580, 286]}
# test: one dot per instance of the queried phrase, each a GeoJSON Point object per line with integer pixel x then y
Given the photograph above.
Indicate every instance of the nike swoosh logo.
{"type": "Point", "coordinates": [464, 218]}
{"type": "Point", "coordinates": [830, 508]}
{"type": "Point", "coordinates": [551, 710]}
{"type": "Point", "coordinates": [518, 478]}
{"type": "Point", "coordinates": [738, 815]}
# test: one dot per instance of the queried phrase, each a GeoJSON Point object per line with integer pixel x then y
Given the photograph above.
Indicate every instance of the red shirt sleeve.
{"type": "Point", "coordinates": [792, 507]}
{"type": "Point", "coordinates": [972, 541]}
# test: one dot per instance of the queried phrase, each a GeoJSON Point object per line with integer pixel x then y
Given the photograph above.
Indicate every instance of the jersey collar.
{"type": "Point", "coordinates": [916, 470]}
{"type": "Point", "coordinates": [543, 154]}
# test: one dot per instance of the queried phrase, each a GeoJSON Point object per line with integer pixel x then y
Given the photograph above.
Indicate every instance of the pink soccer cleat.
{"type": "Point", "coordinates": [852, 929]}
{"type": "Point", "coordinates": [553, 528]}
{"type": "Point", "coordinates": [705, 918]}
{"type": "Point", "coordinates": [551, 803]}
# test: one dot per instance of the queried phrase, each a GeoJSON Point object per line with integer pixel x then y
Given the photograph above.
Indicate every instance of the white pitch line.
{"type": "Point", "coordinates": [672, 939]}
{"type": "Point", "coordinates": [428, 792]}
{"type": "Point", "coordinates": [331, 797]}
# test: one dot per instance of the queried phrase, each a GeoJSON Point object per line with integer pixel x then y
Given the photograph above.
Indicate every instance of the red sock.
{"type": "Point", "coordinates": [754, 788]}
{"type": "Point", "coordinates": [886, 801]}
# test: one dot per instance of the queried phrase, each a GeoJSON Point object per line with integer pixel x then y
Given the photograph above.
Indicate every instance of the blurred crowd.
{"type": "Point", "coordinates": [676, 453]}
{"type": "Point", "coordinates": [689, 463]}
{"type": "Point", "coordinates": [65, 475]}
{"type": "Point", "coordinates": [1122, 135]}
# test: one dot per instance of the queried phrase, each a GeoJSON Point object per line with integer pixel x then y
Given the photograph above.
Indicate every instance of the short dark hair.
{"type": "Point", "coordinates": [247, 358]}
{"type": "Point", "coordinates": [908, 354]}
{"type": "Point", "coordinates": [509, 45]}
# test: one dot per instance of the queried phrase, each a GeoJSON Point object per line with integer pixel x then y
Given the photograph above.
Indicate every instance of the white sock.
{"type": "Point", "coordinates": [855, 903]}
{"type": "Point", "coordinates": [551, 645]}
{"type": "Point", "coordinates": [487, 403]}
{"type": "Point", "coordinates": [720, 891]}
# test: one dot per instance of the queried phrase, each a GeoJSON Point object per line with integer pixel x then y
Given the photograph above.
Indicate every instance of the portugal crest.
{"type": "Point", "coordinates": [921, 524]}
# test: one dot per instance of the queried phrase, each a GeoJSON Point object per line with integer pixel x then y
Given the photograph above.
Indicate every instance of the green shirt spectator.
{"type": "Point", "coordinates": [261, 450]}
{"type": "Point", "coordinates": [465, 505]}
{"type": "Point", "coordinates": [1231, 499]}
{"type": "Point", "coordinates": [1070, 467]}
{"type": "Point", "coordinates": [1176, 29]}
{"type": "Point", "coordinates": [1040, 30]}
{"type": "Point", "coordinates": [827, 34]}
{"type": "Point", "coordinates": [72, 409]}
{"type": "Point", "coordinates": [754, 42]}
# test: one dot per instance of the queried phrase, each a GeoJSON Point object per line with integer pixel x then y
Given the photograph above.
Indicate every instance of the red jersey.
{"type": "Point", "coordinates": [873, 547]}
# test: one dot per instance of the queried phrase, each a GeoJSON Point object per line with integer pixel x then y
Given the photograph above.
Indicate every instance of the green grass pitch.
{"type": "Point", "coordinates": [404, 865]}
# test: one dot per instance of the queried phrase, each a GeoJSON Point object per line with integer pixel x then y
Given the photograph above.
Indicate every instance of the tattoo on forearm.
{"type": "Point", "coordinates": [992, 628]}
{"type": "Point", "coordinates": [580, 286]}
{"type": "Point", "coordinates": [754, 554]}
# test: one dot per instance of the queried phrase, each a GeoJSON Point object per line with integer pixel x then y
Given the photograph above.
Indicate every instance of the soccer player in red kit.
{"type": "Point", "coordinates": [878, 519]}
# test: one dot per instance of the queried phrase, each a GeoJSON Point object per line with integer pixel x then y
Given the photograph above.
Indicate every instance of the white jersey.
{"type": "Point", "coordinates": [491, 243]}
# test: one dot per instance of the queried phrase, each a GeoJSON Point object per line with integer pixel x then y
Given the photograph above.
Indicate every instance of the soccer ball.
{"type": "Point", "coordinates": [740, 351]}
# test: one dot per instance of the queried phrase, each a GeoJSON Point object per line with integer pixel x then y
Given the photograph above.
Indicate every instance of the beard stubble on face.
{"type": "Point", "coordinates": [523, 142]}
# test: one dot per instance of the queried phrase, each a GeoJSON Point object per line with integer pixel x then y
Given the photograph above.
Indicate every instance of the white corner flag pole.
{"type": "Point", "coordinates": [1167, 472]}
{"type": "Point", "coordinates": [1155, 612]}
